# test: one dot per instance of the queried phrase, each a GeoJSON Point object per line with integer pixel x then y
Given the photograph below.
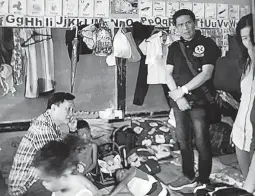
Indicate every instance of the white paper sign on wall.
{"type": "Point", "coordinates": [159, 8]}
{"type": "Point", "coordinates": [35, 7]}
{"type": "Point", "coordinates": [53, 7]}
{"type": "Point", "coordinates": [86, 8]}
{"type": "Point", "coordinates": [4, 4]}
{"type": "Point", "coordinates": [70, 8]}
{"type": "Point", "coordinates": [18, 7]}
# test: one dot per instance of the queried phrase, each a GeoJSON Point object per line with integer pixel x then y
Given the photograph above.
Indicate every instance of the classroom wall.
{"type": "Point", "coordinates": [95, 88]}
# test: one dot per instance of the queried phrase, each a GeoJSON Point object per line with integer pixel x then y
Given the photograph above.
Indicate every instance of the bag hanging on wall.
{"type": "Point", "coordinates": [135, 55]}
{"type": "Point", "coordinates": [121, 45]}
{"type": "Point", "coordinates": [212, 108]}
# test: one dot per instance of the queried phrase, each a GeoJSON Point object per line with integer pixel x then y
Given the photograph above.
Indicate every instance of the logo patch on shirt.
{"type": "Point", "coordinates": [199, 51]}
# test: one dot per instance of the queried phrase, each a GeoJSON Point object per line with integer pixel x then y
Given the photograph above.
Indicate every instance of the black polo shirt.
{"type": "Point", "coordinates": [200, 50]}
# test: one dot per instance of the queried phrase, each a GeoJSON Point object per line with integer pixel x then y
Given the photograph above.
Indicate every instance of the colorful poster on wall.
{"type": "Point", "coordinates": [199, 10]}
{"type": "Point", "coordinates": [4, 6]}
{"type": "Point", "coordinates": [102, 8]}
{"type": "Point", "coordinates": [186, 5]}
{"type": "Point", "coordinates": [159, 8]}
{"type": "Point", "coordinates": [244, 10]}
{"type": "Point", "coordinates": [233, 12]}
{"type": "Point", "coordinates": [145, 8]}
{"type": "Point", "coordinates": [210, 10]}
{"type": "Point", "coordinates": [222, 11]}
{"type": "Point", "coordinates": [70, 8]}
{"type": "Point", "coordinates": [124, 7]}
{"type": "Point", "coordinates": [86, 8]}
{"type": "Point", "coordinates": [53, 7]}
{"type": "Point", "coordinates": [18, 7]}
{"type": "Point", "coordinates": [35, 7]}
{"type": "Point", "coordinates": [171, 8]}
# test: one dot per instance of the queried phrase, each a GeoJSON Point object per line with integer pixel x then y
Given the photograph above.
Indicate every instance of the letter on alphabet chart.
{"type": "Point", "coordinates": [38, 22]}
{"type": "Point", "coordinates": [143, 19]}
{"type": "Point", "coordinates": [20, 21]}
{"type": "Point", "coordinates": [129, 22]}
{"type": "Point", "coordinates": [29, 21]}
{"type": "Point", "coordinates": [151, 22]}
{"type": "Point", "coordinates": [10, 19]}
{"type": "Point", "coordinates": [158, 20]}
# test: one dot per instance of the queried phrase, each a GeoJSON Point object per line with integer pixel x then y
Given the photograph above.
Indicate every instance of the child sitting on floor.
{"type": "Point", "coordinates": [138, 183]}
{"type": "Point", "coordinates": [55, 164]}
{"type": "Point", "coordinates": [88, 156]}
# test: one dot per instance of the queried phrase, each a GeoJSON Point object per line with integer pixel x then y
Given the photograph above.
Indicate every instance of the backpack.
{"type": "Point", "coordinates": [219, 189]}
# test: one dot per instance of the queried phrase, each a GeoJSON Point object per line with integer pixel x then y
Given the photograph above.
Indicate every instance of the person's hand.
{"type": "Point", "coordinates": [72, 124]}
{"type": "Point", "coordinates": [183, 104]}
{"type": "Point", "coordinates": [176, 94]}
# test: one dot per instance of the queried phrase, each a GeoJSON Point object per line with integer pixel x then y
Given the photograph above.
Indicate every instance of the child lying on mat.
{"type": "Point", "coordinates": [55, 165]}
{"type": "Point", "coordinates": [138, 183]}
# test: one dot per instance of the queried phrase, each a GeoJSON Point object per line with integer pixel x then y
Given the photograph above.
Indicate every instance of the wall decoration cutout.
{"type": "Point", "coordinates": [233, 12]}
{"type": "Point", "coordinates": [35, 7]}
{"type": "Point", "coordinates": [186, 5]}
{"type": "Point", "coordinates": [199, 10]}
{"type": "Point", "coordinates": [53, 7]}
{"type": "Point", "coordinates": [102, 8]}
{"type": "Point", "coordinates": [244, 10]}
{"type": "Point", "coordinates": [4, 4]}
{"type": "Point", "coordinates": [159, 8]}
{"type": "Point", "coordinates": [171, 8]}
{"type": "Point", "coordinates": [145, 8]}
{"type": "Point", "coordinates": [210, 10]}
{"type": "Point", "coordinates": [70, 8]}
{"type": "Point", "coordinates": [124, 6]}
{"type": "Point", "coordinates": [18, 7]}
{"type": "Point", "coordinates": [222, 11]}
{"type": "Point", "coordinates": [86, 8]}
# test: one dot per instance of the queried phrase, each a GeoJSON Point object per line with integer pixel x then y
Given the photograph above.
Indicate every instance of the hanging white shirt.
{"type": "Point", "coordinates": [156, 54]}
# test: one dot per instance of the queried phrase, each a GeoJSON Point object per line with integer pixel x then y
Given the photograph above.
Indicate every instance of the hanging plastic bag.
{"type": "Point", "coordinates": [110, 60]}
{"type": "Point", "coordinates": [121, 45]}
{"type": "Point", "coordinates": [135, 55]}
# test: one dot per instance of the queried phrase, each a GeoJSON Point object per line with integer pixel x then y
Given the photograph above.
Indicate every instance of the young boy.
{"type": "Point", "coordinates": [55, 164]}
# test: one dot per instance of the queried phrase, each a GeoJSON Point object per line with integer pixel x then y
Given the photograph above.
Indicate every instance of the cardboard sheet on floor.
{"type": "Point", "coordinates": [169, 173]}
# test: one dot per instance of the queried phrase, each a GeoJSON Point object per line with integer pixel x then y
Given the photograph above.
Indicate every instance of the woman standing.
{"type": "Point", "coordinates": [242, 129]}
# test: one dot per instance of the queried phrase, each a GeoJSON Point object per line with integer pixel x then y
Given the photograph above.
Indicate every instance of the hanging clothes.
{"type": "Point", "coordinates": [40, 62]}
{"type": "Point", "coordinates": [6, 45]}
{"type": "Point", "coordinates": [156, 51]}
{"type": "Point", "coordinates": [141, 32]}
{"type": "Point", "coordinates": [82, 47]}
{"type": "Point", "coordinates": [17, 58]}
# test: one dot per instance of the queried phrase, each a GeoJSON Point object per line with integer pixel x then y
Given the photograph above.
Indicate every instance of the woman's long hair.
{"type": "Point", "coordinates": [245, 59]}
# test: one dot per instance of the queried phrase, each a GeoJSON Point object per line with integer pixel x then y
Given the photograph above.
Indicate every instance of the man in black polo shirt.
{"type": "Point", "coordinates": [187, 97]}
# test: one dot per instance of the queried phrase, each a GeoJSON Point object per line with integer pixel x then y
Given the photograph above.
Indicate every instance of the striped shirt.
{"type": "Point", "coordinates": [22, 175]}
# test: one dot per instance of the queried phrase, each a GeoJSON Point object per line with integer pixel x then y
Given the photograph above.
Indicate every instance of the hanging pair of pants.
{"type": "Point", "coordinates": [142, 86]}
{"type": "Point", "coordinates": [188, 123]}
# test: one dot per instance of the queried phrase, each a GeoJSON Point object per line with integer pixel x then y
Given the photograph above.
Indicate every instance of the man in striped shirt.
{"type": "Point", "coordinates": [22, 179]}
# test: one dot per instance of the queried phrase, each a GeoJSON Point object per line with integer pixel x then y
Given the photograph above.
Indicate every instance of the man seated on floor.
{"type": "Point", "coordinates": [22, 179]}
